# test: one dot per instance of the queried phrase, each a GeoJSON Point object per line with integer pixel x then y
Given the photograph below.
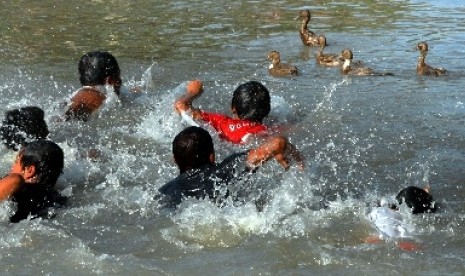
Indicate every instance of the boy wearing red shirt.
{"type": "Point", "coordinates": [250, 105]}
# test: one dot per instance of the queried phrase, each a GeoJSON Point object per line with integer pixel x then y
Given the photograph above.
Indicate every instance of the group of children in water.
{"type": "Point", "coordinates": [39, 162]}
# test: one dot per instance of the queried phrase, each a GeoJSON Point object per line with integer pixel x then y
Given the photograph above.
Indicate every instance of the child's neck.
{"type": "Point", "coordinates": [99, 88]}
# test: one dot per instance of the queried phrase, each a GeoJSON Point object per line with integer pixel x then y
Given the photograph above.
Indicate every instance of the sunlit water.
{"type": "Point", "coordinates": [363, 138]}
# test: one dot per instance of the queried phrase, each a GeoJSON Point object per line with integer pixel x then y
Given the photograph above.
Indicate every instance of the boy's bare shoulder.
{"type": "Point", "coordinates": [90, 97]}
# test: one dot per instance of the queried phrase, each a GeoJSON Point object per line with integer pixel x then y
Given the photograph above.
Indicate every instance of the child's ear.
{"type": "Point", "coordinates": [29, 174]}
{"type": "Point", "coordinates": [212, 157]}
{"type": "Point", "coordinates": [113, 81]}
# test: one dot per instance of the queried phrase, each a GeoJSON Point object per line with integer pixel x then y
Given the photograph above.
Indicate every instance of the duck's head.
{"type": "Point", "coordinates": [273, 56]}
{"type": "Point", "coordinates": [422, 47]}
{"type": "Point", "coordinates": [347, 54]}
{"type": "Point", "coordinates": [305, 14]}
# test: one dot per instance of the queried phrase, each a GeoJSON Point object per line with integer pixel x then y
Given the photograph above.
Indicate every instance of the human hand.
{"type": "Point", "coordinates": [276, 147]}
{"type": "Point", "coordinates": [194, 88]}
{"type": "Point", "coordinates": [295, 154]}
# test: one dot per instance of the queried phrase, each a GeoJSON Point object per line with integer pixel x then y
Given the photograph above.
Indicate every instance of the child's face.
{"type": "Point", "coordinates": [28, 173]}
{"type": "Point", "coordinates": [234, 112]}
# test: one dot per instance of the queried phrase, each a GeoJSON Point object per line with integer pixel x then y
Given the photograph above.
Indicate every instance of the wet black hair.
{"type": "Point", "coordinates": [23, 125]}
{"type": "Point", "coordinates": [33, 200]}
{"type": "Point", "coordinates": [251, 100]}
{"type": "Point", "coordinates": [48, 159]}
{"type": "Point", "coordinates": [417, 199]}
{"type": "Point", "coordinates": [192, 148]}
{"type": "Point", "coordinates": [94, 67]}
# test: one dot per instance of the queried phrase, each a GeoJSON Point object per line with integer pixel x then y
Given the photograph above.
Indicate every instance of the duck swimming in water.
{"type": "Point", "coordinates": [330, 60]}
{"type": "Point", "coordinates": [346, 69]}
{"type": "Point", "coordinates": [308, 37]}
{"type": "Point", "coordinates": [278, 69]}
{"type": "Point", "coordinates": [423, 68]}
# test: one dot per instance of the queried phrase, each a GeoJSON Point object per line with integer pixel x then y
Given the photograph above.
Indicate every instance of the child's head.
{"type": "Point", "coordinates": [251, 101]}
{"type": "Point", "coordinates": [99, 68]}
{"type": "Point", "coordinates": [193, 148]}
{"type": "Point", "coordinates": [23, 125]}
{"type": "Point", "coordinates": [417, 199]}
{"type": "Point", "coordinates": [47, 159]}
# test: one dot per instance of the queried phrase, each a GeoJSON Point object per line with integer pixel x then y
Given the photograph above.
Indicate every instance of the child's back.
{"type": "Point", "coordinates": [97, 70]}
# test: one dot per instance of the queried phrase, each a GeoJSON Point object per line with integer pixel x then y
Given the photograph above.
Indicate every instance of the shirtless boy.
{"type": "Point", "coordinates": [97, 70]}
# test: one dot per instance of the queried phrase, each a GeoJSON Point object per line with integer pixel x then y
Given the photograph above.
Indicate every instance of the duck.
{"type": "Point", "coordinates": [346, 69]}
{"type": "Point", "coordinates": [330, 60]}
{"type": "Point", "coordinates": [279, 69]}
{"type": "Point", "coordinates": [308, 37]}
{"type": "Point", "coordinates": [424, 69]}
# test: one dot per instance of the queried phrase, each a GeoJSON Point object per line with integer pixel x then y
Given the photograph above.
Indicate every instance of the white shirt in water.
{"type": "Point", "coordinates": [129, 94]}
{"type": "Point", "coordinates": [187, 117]}
{"type": "Point", "coordinates": [390, 223]}
{"type": "Point", "coordinates": [126, 94]}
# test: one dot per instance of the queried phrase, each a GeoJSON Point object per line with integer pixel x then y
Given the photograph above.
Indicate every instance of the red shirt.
{"type": "Point", "coordinates": [233, 130]}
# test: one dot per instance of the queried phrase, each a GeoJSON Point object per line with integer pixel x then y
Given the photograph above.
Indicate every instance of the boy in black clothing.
{"type": "Point", "coordinates": [201, 177]}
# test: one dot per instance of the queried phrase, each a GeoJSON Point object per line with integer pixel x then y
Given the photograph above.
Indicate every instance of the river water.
{"type": "Point", "coordinates": [363, 137]}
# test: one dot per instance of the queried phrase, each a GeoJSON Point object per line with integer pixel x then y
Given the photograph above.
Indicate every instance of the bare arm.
{"type": "Point", "coordinates": [277, 147]}
{"type": "Point", "coordinates": [9, 185]}
{"type": "Point", "coordinates": [184, 103]}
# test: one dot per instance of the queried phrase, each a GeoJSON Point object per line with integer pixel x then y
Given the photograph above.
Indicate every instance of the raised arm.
{"type": "Point", "coordinates": [184, 103]}
{"type": "Point", "coordinates": [9, 185]}
{"type": "Point", "coordinates": [277, 147]}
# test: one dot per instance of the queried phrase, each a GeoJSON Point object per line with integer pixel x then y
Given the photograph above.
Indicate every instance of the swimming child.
{"type": "Point", "coordinates": [390, 223]}
{"type": "Point", "coordinates": [31, 180]}
{"type": "Point", "coordinates": [23, 125]}
{"type": "Point", "coordinates": [250, 105]}
{"type": "Point", "coordinates": [200, 177]}
{"type": "Point", "coordinates": [99, 74]}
